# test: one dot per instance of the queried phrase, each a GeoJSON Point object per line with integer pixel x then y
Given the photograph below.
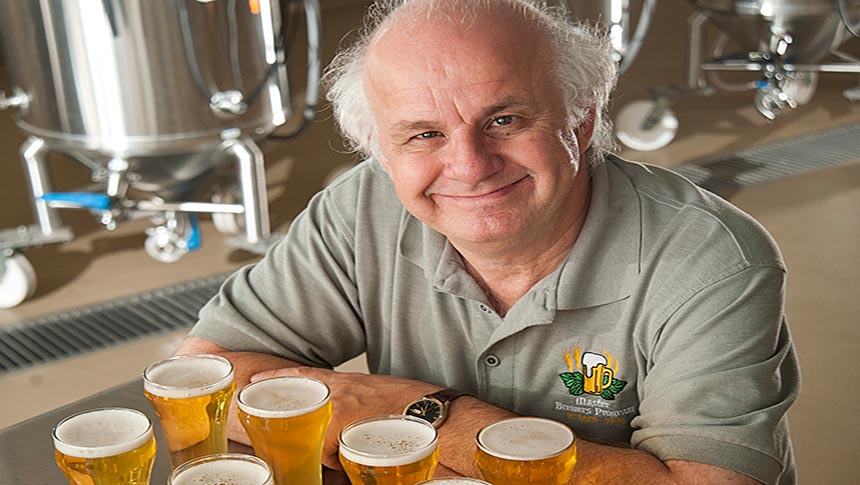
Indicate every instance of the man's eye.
{"type": "Point", "coordinates": [503, 120]}
{"type": "Point", "coordinates": [427, 135]}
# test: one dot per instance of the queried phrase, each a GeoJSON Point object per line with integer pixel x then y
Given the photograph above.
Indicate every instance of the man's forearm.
{"type": "Point", "coordinates": [245, 365]}
{"type": "Point", "coordinates": [595, 463]}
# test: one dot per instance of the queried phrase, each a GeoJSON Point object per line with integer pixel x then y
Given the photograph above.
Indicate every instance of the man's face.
{"type": "Point", "coordinates": [474, 132]}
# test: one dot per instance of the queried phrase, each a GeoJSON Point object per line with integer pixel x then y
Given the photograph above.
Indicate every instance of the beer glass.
{"type": "Point", "coordinates": [221, 469]}
{"type": "Point", "coordinates": [389, 449]}
{"type": "Point", "coordinates": [191, 396]}
{"type": "Point", "coordinates": [286, 419]}
{"type": "Point", "coordinates": [105, 447]}
{"type": "Point", "coordinates": [526, 450]}
{"type": "Point", "coordinates": [453, 481]}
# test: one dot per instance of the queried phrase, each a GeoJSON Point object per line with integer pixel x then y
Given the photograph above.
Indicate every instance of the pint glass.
{"type": "Point", "coordinates": [223, 468]}
{"type": "Point", "coordinates": [105, 447]}
{"type": "Point", "coordinates": [389, 449]}
{"type": "Point", "coordinates": [526, 450]}
{"type": "Point", "coordinates": [286, 419]}
{"type": "Point", "coordinates": [453, 481]}
{"type": "Point", "coordinates": [191, 396]}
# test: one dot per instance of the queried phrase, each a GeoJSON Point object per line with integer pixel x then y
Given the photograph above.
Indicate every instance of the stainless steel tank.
{"type": "Point", "coordinates": [813, 27]}
{"type": "Point", "coordinates": [154, 82]}
{"type": "Point", "coordinates": [154, 96]}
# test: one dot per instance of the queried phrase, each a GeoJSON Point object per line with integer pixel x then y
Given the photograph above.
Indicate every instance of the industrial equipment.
{"type": "Point", "coordinates": [154, 98]}
{"type": "Point", "coordinates": [615, 16]}
{"type": "Point", "coordinates": [786, 43]}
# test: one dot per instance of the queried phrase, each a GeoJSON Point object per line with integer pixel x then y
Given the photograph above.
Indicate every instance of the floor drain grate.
{"type": "Point", "coordinates": [76, 332]}
{"type": "Point", "coordinates": [725, 175]}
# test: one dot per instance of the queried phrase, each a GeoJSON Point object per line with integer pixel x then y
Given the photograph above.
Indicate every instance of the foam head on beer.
{"type": "Point", "coordinates": [223, 469]}
{"type": "Point", "coordinates": [188, 376]}
{"type": "Point", "coordinates": [283, 397]}
{"type": "Point", "coordinates": [102, 433]}
{"type": "Point", "coordinates": [525, 439]}
{"type": "Point", "coordinates": [388, 442]}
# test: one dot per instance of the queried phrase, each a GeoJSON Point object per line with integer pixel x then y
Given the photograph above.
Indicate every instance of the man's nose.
{"type": "Point", "coordinates": [472, 159]}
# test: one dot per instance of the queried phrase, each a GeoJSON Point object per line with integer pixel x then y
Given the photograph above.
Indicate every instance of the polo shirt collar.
{"type": "Point", "coordinates": [600, 269]}
{"type": "Point", "coordinates": [603, 264]}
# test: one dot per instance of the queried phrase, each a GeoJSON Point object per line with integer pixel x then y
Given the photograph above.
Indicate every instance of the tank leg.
{"type": "Point", "coordinates": [696, 52]}
{"type": "Point", "coordinates": [34, 155]}
{"type": "Point", "coordinates": [252, 180]}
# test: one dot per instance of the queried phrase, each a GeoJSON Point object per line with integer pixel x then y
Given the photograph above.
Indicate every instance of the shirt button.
{"type": "Point", "coordinates": [485, 309]}
{"type": "Point", "coordinates": [492, 361]}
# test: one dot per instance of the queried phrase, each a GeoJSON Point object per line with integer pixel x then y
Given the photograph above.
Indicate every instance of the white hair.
{"type": "Point", "coordinates": [583, 64]}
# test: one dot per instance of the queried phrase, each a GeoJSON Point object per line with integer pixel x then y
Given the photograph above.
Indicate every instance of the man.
{"type": "Point", "coordinates": [490, 245]}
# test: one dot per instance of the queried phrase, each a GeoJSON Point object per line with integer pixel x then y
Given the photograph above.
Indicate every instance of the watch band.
{"type": "Point", "coordinates": [447, 395]}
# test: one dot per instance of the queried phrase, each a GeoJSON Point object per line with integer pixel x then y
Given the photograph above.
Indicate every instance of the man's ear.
{"type": "Point", "coordinates": [584, 131]}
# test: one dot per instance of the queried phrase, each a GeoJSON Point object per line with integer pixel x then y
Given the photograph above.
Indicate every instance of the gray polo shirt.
{"type": "Point", "coordinates": [663, 330]}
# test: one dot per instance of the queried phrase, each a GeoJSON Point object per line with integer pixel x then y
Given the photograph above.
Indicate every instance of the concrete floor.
{"type": "Point", "coordinates": [814, 218]}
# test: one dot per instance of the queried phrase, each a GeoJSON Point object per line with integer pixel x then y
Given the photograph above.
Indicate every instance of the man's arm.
{"type": "Point", "coordinates": [360, 395]}
{"type": "Point", "coordinates": [595, 463]}
{"type": "Point", "coordinates": [245, 365]}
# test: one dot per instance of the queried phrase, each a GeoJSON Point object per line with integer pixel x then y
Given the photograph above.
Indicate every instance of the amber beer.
{"type": "Point", "coordinates": [222, 469]}
{"type": "Point", "coordinates": [286, 419]}
{"type": "Point", "coordinates": [390, 449]}
{"type": "Point", "coordinates": [105, 447]}
{"type": "Point", "coordinates": [191, 396]}
{"type": "Point", "coordinates": [453, 481]}
{"type": "Point", "coordinates": [525, 450]}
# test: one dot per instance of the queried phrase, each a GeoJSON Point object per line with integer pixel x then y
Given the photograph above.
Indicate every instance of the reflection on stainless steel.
{"type": "Point", "coordinates": [614, 16]}
{"type": "Point", "coordinates": [154, 96]}
{"type": "Point", "coordinates": [134, 77]}
{"type": "Point", "coordinates": [784, 43]}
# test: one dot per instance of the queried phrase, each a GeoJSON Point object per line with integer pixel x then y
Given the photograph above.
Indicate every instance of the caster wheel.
{"type": "Point", "coordinates": [17, 281]}
{"type": "Point", "coordinates": [631, 129]}
{"type": "Point", "coordinates": [801, 87]}
{"type": "Point", "coordinates": [228, 223]}
{"type": "Point", "coordinates": [165, 246]}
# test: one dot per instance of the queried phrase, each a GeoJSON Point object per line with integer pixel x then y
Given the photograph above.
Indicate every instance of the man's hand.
{"type": "Point", "coordinates": [355, 396]}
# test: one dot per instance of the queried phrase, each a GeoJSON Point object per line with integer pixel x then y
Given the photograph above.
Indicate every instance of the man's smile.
{"type": "Point", "coordinates": [485, 196]}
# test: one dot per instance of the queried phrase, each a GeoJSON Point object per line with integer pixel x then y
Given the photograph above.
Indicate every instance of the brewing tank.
{"type": "Point", "coordinates": [142, 79]}
{"type": "Point", "coordinates": [814, 27]}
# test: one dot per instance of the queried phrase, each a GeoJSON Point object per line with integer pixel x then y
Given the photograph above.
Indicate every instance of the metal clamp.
{"type": "Point", "coordinates": [19, 99]}
{"type": "Point", "coordinates": [228, 102]}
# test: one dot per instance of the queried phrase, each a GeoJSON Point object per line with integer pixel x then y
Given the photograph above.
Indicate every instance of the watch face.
{"type": "Point", "coordinates": [425, 409]}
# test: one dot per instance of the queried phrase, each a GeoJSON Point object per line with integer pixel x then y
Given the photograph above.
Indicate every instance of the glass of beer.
{"type": "Point", "coordinates": [389, 449]}
{"type": "Point", "coordinates": [221, 469]}
{"type": "Point", "coordinates": [453, 481]}
{"type": "Point", "coordinates": [105, 446]}
{"type": "Point", "coordinates": [286, 419]}
{"type": "Point", "coordinates": [526, 450]}
{"type": "Point", "coordinates": [191, 396]}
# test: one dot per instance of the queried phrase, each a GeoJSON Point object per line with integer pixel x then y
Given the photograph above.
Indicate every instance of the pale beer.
{"type": "Point", "coordinates": [222, 469]}
{"type": "Point", "coordinates": [453, 481]}
{"type": "Point", "coordinates": [105, 447]}
{"type": "Point", "coordinates": [521, 451]}
{"type": "Point", "coordinates": [286, 419]}
{"type": "Point", "coordinates": [389, 450]}
{"type": "Point", "coordinates": [191, 395]}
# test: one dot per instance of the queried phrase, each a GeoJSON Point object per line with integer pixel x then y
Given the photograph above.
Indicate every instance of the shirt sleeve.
{"type": "Point", "coordinates": [300, 301]}
{"type": "Point", "coordinates": [722, 373]}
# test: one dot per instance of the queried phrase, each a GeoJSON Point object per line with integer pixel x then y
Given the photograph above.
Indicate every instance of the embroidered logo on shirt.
{"type": "Point", "coordinates": [595, 375]}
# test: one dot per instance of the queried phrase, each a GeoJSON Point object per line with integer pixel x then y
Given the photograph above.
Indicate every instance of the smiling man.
{"type": "Point", "coordinates": [491, 244]}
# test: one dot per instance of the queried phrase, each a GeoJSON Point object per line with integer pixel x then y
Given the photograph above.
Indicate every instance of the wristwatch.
{"type": "Point", "coordinates": [433, 408]}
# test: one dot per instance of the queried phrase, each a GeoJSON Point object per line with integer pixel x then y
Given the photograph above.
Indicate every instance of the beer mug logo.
{"type": "Point", "coordinates": [596, 376]}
